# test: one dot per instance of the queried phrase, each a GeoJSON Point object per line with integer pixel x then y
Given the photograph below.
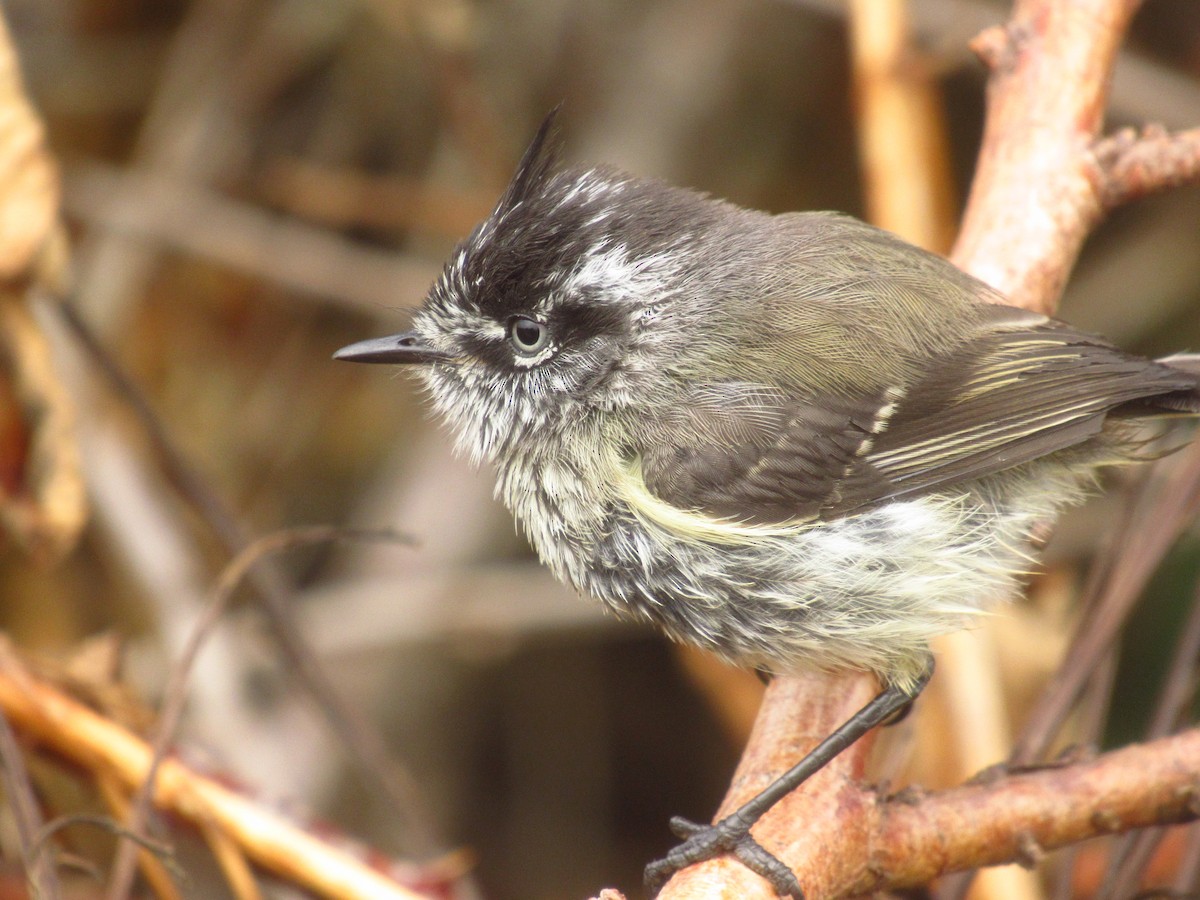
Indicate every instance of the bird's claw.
{"type": "Point", "coordinates": [686, 828]}
{"type": "Point", "coordinates": [701, 842]}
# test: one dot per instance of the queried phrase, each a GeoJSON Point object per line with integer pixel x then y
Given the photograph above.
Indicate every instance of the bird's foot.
{"type": "Point", "coordinates": [730, 835]}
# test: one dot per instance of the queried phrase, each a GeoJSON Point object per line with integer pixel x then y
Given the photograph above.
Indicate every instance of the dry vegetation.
{"type": "Point", "coordinates": [199, 201]}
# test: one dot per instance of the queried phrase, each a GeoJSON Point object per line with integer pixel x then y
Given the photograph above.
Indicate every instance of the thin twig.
{"type": "Point", "coordinates": [82, 736]}
{"type": "Point", "coordinates": [238, 873]}
{"type": "Point", "coordinates": [1127, 861]}
{"type": "Point", "coordinates": [27, 816]}
{"type": "Point", "coordinates": [51, 828]}
{"type": "Point", "coordinates": [1093, 712]}
{"type": "Point", "coordinates": [161, 872]}
{"type": "Point", "coordinates": [364, 742]}
{"type": "Point", "coordinates": [1164, 506]}
{"type": "Point", "coordinates": [175, 695]}
{"type": "Point", "coordinates": [1132, 852]}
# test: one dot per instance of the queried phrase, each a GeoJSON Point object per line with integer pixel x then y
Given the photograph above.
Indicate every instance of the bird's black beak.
{"type": "Point", "coordinates": [397, 348]}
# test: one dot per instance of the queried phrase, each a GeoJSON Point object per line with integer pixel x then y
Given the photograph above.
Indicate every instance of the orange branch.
{"type": "Point", "coordinates": [89, 740]}
{"type": "Point", "coordinates": [1032, 201]}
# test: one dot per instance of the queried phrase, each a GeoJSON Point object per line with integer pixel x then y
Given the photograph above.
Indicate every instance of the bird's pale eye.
{"type": "Point", "coordinates": [528, 336]}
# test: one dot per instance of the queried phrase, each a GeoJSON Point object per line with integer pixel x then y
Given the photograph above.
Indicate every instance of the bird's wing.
{"type": "Point", "coordinates": [1003, 397]}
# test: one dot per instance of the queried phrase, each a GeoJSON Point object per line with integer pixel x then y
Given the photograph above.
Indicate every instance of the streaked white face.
{"type": "Point", "coordinates": [560, 355]}
{"type": "Point", "coordinates": [547, 312]}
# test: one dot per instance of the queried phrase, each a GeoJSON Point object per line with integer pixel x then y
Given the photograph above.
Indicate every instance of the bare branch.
{"type": "Point", "coordinates": [1031, 202]}
{"type": "Point", "coordinates": [175, 696]}
{"type": "Point", "coordinates": [93, 742]}
{"type": "Point", "coordinates": [798, 712]}
{"type": "Point", "coordinates": [1130, 165]}
{"type": "Point", "coordinates": [991, 824]}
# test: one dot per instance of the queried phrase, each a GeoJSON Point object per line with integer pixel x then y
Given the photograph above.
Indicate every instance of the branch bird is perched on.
{"type": "Point", "coordinates": [793, 440]}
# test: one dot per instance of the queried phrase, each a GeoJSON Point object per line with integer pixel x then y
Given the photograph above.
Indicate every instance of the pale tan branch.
{"type": "Point", "coordinates": [902, 144]}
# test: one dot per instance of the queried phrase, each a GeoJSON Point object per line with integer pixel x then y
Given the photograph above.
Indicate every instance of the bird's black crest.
{"type": "Point", "coordinates": [537, 164]}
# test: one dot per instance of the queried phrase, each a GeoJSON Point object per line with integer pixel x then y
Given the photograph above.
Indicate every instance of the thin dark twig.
{"type": "Point", "coordinates": [1041, 725]}
{"type": "Point", "coordinates": [1063, 872]}
{"type": "Point", "coordinates": [1162, 508]}
{"type": "Point", "coordinates": [1094, 707]}
{"type": "Point", "coordinates": [1128, 860]}
{"type": "Point", "coordinates": [162, 850]}
{"type": "Point", "coordinates": [27, 816]}
{"type": "Point", "coordinates": [364, 742]}
{"type": "Point", "coordinates": [1093, 713]}
{"type": "Point", "coordinates": [1179, 686]}
{"type": "Point", "coordinates": [175, 695]}
{"type": "Point", "coordinates": [1132, 852]}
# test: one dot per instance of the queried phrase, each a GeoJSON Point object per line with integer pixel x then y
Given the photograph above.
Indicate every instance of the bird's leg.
{"type": "Point", "coordinates": [732, 833]}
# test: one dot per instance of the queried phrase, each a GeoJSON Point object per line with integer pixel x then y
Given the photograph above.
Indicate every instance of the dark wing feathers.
{"type": "Point", "coordinates": [787, 471]}
{"type": "Point", "coordinates": [1005, 397]}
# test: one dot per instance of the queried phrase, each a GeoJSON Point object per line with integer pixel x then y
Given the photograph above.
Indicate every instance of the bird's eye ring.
{"type": "Point", "coordinates": [528, 336]}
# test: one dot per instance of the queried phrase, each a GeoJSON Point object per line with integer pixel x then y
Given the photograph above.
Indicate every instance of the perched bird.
{"type": "Point", "coordinates": [794, 440]}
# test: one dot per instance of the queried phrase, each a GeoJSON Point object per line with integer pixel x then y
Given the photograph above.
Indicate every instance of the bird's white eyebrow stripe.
{"type": "Point", "coordinates": [492, 328]}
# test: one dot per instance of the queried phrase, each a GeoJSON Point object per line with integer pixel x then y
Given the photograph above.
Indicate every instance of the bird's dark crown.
{"type": "Point", "coordinates": [551, 218]}
{"type": "Point", "coordinates": [574, 245]}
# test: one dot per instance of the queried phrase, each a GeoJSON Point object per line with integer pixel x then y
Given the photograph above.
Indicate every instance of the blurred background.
{"type": "Point", "coordinates": [251, 184]}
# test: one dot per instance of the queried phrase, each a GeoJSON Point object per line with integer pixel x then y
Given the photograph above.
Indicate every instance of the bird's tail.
{"type": "Point", "coordinates": [1188, 399]}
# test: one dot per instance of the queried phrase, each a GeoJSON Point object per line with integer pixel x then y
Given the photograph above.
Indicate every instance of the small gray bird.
{"type": "Point", "coordinates": [793, 440]}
